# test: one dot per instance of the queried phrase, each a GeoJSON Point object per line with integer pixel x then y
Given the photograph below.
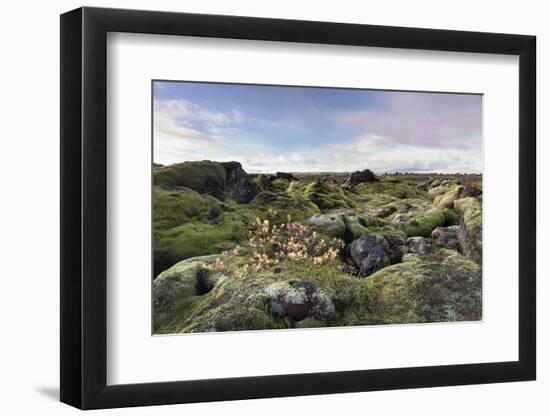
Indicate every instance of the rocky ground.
{"type": "Point", "coordinates": [234, 251]}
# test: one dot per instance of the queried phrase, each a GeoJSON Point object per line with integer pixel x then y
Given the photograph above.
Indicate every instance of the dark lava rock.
{"type": "Point", "coordinates": [221, 180]}
{"type": "Point", "coordinates": [469, 191]}
{"type": "Point", "coordinates": [420, 245]}
{"type": "Point", "coordinates": [386, 211]}
{"type": "Point", "coordinates": [285, 176]}
{"type": "Point", "coordinates": [358, 177]}
{"type": "Point", "coordinates": [370, 253]}
{"type": "Point", "coordinates": [398, 248]}
{"type": "Point", "coordinates": [296, 300]}
{"type": "Point", "coordinates": [447, 237]}
{"type": "Point", "coordinates": [238, 184]}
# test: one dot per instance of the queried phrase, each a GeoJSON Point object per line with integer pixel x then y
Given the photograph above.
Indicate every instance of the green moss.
{"type": "Point", "coordinates": [280, 185]}
{"type": "Point", "coordinates": [354, 229]}
{"type": "Point", "coordinates": [201, 176]}
{"type": "Point", "coordinates": [298, 207]}
{"type": "Point", "coordinates": [175, 206]}
{"type": "Point", "coordinates": [351, 295]}
{"type": "Point", "coordinates": [419, 223]}
{"type": "Point", "coordinates": [397, 190]}
{"type": "Point", "coordinates": [358, 225]}
{"type": "Point", "coordinates": [440, 187]}
{"type": "Point", "coordinates": [330, 225]}
{"type": "Point", "coordinates": [328, 196]}
{"type": "Point", "coordinates": [262, 182]}
{"type": "Point", "coordinates": [443, 287]}
{"type": "Point", "coordinates": [296, 187]}
{"type": "Point", "coordinates": [451, 217]}
{"type": "Point", "coordinates": [195, 239]}
{"type": "Point", "coordinates": [446, 200]}
{"type": "Point", "coordinates": [392, 234]}
{"type": "Point", "coordinates": [471, 227]}
{"type": "Point", "coordinates": [310, 323]}
{"type": "Point", "coordinates": [232, 304]}
{"type": "Point", "coordinates": [179, 289]}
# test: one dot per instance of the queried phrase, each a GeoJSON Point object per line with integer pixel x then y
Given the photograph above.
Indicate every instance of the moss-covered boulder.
{"type": "Point", "coordinates": [195, 239]}
{"type": "Point", "coordinates": [220, 179]}
{"type": "Point", "coordinates": [358, 225]}
{"type": "Point", "coordinates": [444, 286]}
{"type": "Point", "coordinates": [446, 200]}
{"type": "Point", "coordinates": [439, 187]}
{"type": "Point", "coordinates": [177, 205]}
{"type": "Point", "coordinates": [201, 176]}
{"type": "Point", "coordinates": [297, 300]}
{"type": "Point", "coordinates": [470, 232]}
{"type": "Point", "coordinates": [419, 223]}
{"type": "Point", "coordinates": [330, 225]}
{"type": "Point", "coordinates": [186, 279]}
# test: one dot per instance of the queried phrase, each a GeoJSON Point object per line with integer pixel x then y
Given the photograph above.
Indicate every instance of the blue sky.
{"type": "Point", "coordinates": [302, 129]}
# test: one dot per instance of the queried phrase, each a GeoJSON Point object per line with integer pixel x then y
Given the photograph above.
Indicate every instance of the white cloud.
{"type": "Point", "coordinates": [166, 124]}
{"type": "Point", "coordinates": [366, 152]}
{"type": "Point", "coordinates": [186, 113]}
{"type": "Point", "coordinates": [415, 135]}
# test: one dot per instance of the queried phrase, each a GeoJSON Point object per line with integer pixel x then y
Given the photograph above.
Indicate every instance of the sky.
{"type": "Point", "coordinates": [309, 129]}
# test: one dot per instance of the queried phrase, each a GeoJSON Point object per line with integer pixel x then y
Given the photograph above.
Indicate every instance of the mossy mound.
{"type": "Point", "coordinates": [471, 228]}
{"type": "Point", "coordinates": [185, 279]}
{"type": "Point", "coordinates": [259, 301]}
{"type": "Point", "coordinates": [347, 225]}
{"type": "Point", "coordinates": [446, 200]}
{"type": "Point", "coordinates": [280, 185]}
{"type": "Point", "coordinates": [196, 239]}
{"type": "Point", "coordinates": [361, 224]}
{"type": "Point", "coordinates": [394, 189]}
{"type": "Point", "coordinates": [201, 176]}
{"type": "Point", "coordinates": [439, 187]}
{"type": "Point", "coordinates": [295, 206]}
{"type": "Point", "coordinates": [330, 225]}
{"type": "Point", "coordinates": [419, 223]}
{"type": "Point", "coordinates": [444, 286]}
{"type": "Point", "coordinates": [220, 179]}
{"type": "Point", "coordinates": [328, 196]}
{"type": "Point", "coordinates": [178, 205]}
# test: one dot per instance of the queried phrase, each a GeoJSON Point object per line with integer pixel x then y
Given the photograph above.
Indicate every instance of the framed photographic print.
{"type": "Point", "coordinates": [258, 207]}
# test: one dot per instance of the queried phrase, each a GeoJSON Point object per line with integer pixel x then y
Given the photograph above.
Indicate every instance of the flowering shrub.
{"type": "Point", "coordinates": [291, 241]}
{"type": "Point", "coordinates": [219, 264]}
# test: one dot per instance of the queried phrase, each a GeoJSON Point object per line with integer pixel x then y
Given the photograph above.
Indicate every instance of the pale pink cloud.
{"type": "Point", "coordinates": [421, 119]}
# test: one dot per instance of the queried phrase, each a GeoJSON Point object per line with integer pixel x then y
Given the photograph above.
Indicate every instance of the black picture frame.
{"type": "Point", "coordinates": [84, 207]}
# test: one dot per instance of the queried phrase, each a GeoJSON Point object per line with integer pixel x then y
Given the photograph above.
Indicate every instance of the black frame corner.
{"type": "Point", "coordinates": [84, 207]}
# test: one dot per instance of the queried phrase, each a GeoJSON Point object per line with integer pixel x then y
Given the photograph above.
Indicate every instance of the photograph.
{"type": "Point", "coordinates": [282, 207]}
